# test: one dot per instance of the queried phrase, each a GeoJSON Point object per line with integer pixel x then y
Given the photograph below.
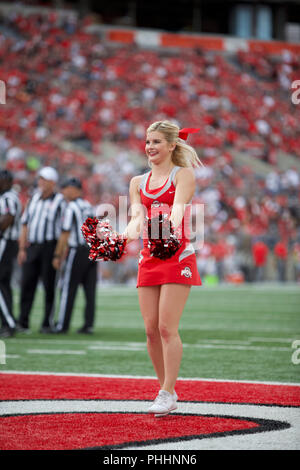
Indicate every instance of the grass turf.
{"type": "Point", "coordinates": [228, 332]}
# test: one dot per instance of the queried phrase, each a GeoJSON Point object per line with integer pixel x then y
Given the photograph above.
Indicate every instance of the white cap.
{"type": "Point", "coordinates": [49, 173]}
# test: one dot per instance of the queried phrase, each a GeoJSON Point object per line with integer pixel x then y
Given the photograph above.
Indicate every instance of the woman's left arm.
{"type": "Point", "coordinates": [185, 182]}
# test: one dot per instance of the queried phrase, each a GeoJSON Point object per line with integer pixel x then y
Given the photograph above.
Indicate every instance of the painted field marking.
{"type": "Point", "coordinates": [127, 347]}
{"type": "Point", "coordinates": [271, 340]}
{"type": "Point", "coordinates": [128, 376]}
{"type": "Point", "coordinates": [226, 344]}
{"type": "Point", "coordinates": [55, 351]}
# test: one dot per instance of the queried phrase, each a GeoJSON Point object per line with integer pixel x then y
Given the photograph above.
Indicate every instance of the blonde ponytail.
{"type": "Point", "coordinates": [185, 155]}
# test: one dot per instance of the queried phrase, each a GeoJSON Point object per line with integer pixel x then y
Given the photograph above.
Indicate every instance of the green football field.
{"type": "Point", "coordinates": [228, 332]}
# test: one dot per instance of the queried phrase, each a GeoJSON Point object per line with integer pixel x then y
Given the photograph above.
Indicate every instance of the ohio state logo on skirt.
{"type": "Point", "coordinates": [186, 272]}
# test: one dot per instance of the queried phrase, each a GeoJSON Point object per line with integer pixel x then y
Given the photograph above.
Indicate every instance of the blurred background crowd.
{"type": "Point", "coordinates": [82, 104]}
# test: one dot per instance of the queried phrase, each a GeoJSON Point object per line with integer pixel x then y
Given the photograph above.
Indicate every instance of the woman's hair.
{"type": "Point", "coordinates": [183, 154]}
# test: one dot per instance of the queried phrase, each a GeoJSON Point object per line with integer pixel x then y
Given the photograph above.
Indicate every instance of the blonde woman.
{"type": "Point", "coordinates": [164, 285]}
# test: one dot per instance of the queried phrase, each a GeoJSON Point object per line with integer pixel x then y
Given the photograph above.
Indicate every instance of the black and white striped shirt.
{"type": "Point", "coordinates": [10, 204]}
{"type": "Point", "coordinates": [43, 217]}
{"type": "Point", "coordinates": [75, 214]}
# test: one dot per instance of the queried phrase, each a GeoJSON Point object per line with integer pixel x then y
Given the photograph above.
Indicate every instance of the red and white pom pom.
{"type": "Point", "coordinates": [163, 242]}
{"type": "Point", "coordinates": [104, 243]}
{"type": "Point", "coordinates": [103, 229]}
{"type": "Point", "coordinates": [89, 230]}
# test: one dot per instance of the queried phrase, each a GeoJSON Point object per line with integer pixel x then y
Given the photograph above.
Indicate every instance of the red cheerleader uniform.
{"type": "Point", "coordinates": [181, 268]}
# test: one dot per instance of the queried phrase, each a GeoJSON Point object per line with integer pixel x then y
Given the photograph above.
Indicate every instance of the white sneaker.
{"type": "Point", "coordinates": [163, 404]}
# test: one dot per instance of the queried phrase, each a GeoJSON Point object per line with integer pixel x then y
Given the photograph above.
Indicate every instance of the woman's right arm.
{"type": "Point", "coordinates": [137, 211]}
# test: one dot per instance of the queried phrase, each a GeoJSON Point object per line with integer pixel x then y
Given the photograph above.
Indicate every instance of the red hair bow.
{"type": "Point", "coordinates": [183, 133]}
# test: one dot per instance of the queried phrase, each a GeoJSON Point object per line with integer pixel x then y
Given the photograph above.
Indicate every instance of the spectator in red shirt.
{"type": "Point", "coordinates": [220, 250]}
{"type": "Point", "coordinates": [281, 254]}
{"type": "Point", "coordinates": [260, 255]}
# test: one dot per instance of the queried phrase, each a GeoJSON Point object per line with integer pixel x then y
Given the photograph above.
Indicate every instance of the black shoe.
{"type": "Point", "coordinates": [58, 330]}
{"type": "Point", "coordinates": [86, 330]}
{"type": "Point", "coordinates": [22, 329]}
{"type": "Point", "coordinates": [7, 332]}
{"type": "Point", "coordinates": [46, 330]}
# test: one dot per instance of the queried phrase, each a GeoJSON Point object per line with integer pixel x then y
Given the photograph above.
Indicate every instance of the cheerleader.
{"type": "Point", "coordinates": [164, 284]}
{"type": "Point", "coordinates": [167, 264]}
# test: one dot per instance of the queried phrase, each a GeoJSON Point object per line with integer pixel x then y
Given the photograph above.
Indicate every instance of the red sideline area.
{"type": "Point", "coordinates": [106, 430]}
{"type": "Point", "coordinates": [33, 386]}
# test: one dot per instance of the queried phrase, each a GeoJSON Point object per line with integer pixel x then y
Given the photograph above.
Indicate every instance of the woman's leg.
{"type": "Point", "coordinates": [171, 304]}
{"type": "Point", "coordinates": [149, 303]}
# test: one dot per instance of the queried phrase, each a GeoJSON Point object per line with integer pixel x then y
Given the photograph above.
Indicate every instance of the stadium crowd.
{"type": "Point", "coordinates": [65, 85]}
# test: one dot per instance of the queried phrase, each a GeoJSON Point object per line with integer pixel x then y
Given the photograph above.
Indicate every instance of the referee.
{"type": "Point", "coordinates": [41, 226]}
{"type": "Point", "coordinates": [78, 269]}
{"type": "Point", "coordinates": [10, 213]}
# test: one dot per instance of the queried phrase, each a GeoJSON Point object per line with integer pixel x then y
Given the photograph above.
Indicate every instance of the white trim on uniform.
{"type": "Point", "coordinates": [2, 246]}
{"type": "Point", "coordinates": [188, 251]}
{"type": "Point", "coordinates": [5, 311]}
{"type": "Point", "coordinates": [65, 288]}
{"type": "Point", "coordinates": [171, 179]}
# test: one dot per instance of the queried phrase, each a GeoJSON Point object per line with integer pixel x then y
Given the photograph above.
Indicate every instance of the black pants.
{"type": "Point", "coordinates": [78, 270]}
{"type": "Point", "coordinates": [38, 265]}
{"type": "Point", "coordinates": [8, 253]}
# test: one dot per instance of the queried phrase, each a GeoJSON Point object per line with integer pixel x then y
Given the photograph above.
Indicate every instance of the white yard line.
{"type": "Point", "coordinates": [118, 376]}
{"type": "Point", "coordinates": [204, 343]}
{"type": "Point", "coordinates": [55, 351]}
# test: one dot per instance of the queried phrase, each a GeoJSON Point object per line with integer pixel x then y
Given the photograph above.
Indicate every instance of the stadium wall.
{"type": "Point", "coordinates": [152, 38]}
